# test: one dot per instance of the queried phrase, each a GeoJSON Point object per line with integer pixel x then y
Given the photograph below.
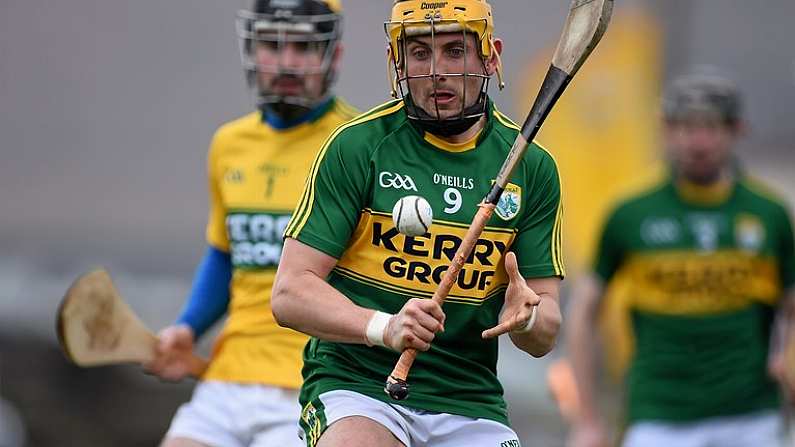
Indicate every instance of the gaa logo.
{"type": "Point", "coordinates": [392, 180]}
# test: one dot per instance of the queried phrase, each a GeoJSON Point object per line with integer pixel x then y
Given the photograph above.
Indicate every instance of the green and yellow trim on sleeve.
{"type": "Point", "coordinates": [557, 230]}
{"type": "Point", "coordinates": [759, 187]}
{"type": "Point", "coordinates": [557, 243]}
{"type": "Point", "coordinates": [556, 247]}
{"type": "Point", "coordinates": [301, 214]}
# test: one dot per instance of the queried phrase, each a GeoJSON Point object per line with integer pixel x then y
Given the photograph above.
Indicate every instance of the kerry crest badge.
{"type": "Point", "coordinates": [510, 202]}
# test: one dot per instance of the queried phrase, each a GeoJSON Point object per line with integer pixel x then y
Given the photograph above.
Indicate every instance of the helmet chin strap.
{"type": "Point", "coordinates": [447, 127]}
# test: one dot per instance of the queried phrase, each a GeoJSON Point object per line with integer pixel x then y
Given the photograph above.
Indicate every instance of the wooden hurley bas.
{"type": "Point", "coordinates": [96, 327]}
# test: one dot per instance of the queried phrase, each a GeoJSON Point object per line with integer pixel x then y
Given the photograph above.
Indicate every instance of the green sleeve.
{"type": "Point", "coordinates": [609, 252]}
{"type": "Point", "coordinates": [333, 196]}
{"type": "Point", "coordinates": [538, 244]}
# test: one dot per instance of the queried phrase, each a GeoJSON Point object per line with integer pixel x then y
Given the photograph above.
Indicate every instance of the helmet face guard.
{"type": "Point", "coordinates": [403, 80]}
{"type": "Point", "coordinates": [274, 31]}
{"type": "Point", "coordinates": [471, 19]}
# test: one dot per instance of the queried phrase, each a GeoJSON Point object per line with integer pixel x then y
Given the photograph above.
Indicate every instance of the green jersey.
{"type": "Point", "coordinates": [704, 279]}
{"type": "Point", "coordinates": [365, 167]}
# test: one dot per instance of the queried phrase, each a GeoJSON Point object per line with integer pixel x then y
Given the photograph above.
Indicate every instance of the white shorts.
{"type": "Point", "coordinates": [759, 429]}
{"type": "Point", "coordinates": [414, 428]}
{"type": "Point", "coordinates": [222, 414]}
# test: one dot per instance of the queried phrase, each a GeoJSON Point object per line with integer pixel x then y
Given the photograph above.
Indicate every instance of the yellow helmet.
{"type": "Point", "coordinates": [417, 17]}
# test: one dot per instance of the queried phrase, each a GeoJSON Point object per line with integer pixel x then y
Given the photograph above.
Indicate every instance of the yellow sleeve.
{"type": "Point", "coordinates": [216, 221]}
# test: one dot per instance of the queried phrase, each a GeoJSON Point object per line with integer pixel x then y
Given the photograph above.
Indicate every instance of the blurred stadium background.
{"type": "Point", "coordinates": [108, 107]}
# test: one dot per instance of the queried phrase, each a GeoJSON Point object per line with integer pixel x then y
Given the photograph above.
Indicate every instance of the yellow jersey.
{"type": "Point", "coordinates": [256, 175]}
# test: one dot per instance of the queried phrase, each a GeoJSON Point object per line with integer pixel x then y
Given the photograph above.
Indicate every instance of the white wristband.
{"type": "Point", "coordinates": [374, 334]}
{"type": "Point", "coordinates": [530, 322]}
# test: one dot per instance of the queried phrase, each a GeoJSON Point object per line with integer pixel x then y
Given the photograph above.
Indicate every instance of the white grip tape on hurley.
{"type": "Point", "coordinates": [374, 334]}
{"type": "Point", "coordinates": [530, 322]}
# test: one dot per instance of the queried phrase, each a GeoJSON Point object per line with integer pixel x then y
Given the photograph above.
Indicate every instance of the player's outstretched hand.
{"type": "Point", "coordinates": [519, 301]}
{"type": "Point", "coordinates": [174, 359]}
{"type": "Point", "coordinates": [415, 325]}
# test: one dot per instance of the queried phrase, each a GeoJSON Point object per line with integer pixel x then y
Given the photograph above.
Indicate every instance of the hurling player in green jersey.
{"type": "Point", "coordinates": [707, 255]}
{"type": "Point", "coordinates": [355, 284]}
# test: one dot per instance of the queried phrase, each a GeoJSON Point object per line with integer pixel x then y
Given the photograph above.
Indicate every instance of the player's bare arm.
{"type": "Point", "coordinates": [304, 301]}
{"type": "Point", "coordinates": [782, 349]}
{"type": "Point", "coordinates": [588, 430]}
{"type": "Point", "coordinates": [531, 314]}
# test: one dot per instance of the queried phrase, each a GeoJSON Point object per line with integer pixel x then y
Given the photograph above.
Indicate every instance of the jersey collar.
{"type": "Point", "coordinates": [710, 195]}
{"type": "Point", "coordinates": [453, 147]}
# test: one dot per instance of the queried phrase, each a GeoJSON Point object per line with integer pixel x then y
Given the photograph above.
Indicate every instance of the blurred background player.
{"type": "Point", "coordinates": [708, 254]}
{"type": "Point", "coordinates": [349, 279]}
{"type": "Point", "coordinates": [257, 166]}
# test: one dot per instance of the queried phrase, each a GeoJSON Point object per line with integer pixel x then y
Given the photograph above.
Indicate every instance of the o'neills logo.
{"type": "Point", "coordinates": [433, 5]}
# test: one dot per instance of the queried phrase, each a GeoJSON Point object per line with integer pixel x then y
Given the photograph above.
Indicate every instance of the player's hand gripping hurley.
{"type": "Point", "coordinates": [585, 25]}
{"type": "Point", "coordinates": [96, 327]}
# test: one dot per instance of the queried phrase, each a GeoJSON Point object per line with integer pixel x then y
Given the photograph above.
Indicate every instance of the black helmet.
{"type": "Point", "coordinates": [703, 92]}
{"type": "Point", "coordinates": [277, 22]}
